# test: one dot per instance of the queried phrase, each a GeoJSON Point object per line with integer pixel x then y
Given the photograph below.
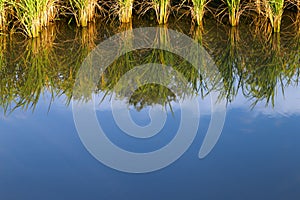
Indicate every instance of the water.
{"type": "Point", "coordinates": [256, 156]}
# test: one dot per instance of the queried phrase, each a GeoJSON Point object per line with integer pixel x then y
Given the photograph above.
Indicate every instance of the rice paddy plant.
{"type": "Point", "coordinates": [273, 10]}
{"type": "Point", "coordinates": [257, 4]}
{"type": "Point", "coordinates": [234, 11]}
{"type": "Point", "coordinates": [33, 15]}
{"type": "Point", "coordinates": [198, 11]}
{"type": "Point", "coordinates": [84, 11]}
{"type": "Point", "coordinates": [161, 7]}
{"type": "Point", "coordinates": [125, 10]}
{"type": "Point", "coordinates": [298, 16]}
{"type": "Point", "coordinates": [3, 14]}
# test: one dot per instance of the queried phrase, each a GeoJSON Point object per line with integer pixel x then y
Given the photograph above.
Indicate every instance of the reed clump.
{"type": "Point", "coordinates": [125, 8]}
{"type": "Point", "coordinates": [162, 9]}
{"type": "Point", "coordinates": [33, 15]}
{"type": "Point", "coordinates": [198, 11]}
{"type": "Point", "coordinates": [234, 11]}
{"type": "Point", "coordinates": [273, 10]}
{"type": "Point", "coordinates": [84, 11]}
{"type": "Point", "coordinates": [3, 14]}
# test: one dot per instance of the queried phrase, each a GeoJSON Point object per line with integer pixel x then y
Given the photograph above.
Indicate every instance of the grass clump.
{"type": "Point", "coordinates": [273, 10]}
{"type": "Point", "coordinates": [3, 14]}
{"type": "Point", "coordinates": [234, 10]}
{"type": "Point", "coordinates": [162, 9]}
{"type": "Point", "coordinates": [125, 10]}
{"type": "Point", "coordinates": [33, 15]}
{"type": "Point", "coordinates": [198, 11]}
{"type": "Point", "coordinates": [84, 11]}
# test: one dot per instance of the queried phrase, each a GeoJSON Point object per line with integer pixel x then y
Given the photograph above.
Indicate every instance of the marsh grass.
{"type": "Point", "coordinates": [273, 10]}
{"type": "Point", "coordinates": [162, 9]}
{"type": "Point", "coordinates": [84, 11]}
{"type": "Point", "coordinates": [3, 14]}
{"type": "Point", "coordinates": [33, 15]}
{"type": "Point", "coordinates": [234, 11]}
{"type": "Point", "coordinates": [124, 11]}
{"type": "Point", "coordinates": [198, 10]}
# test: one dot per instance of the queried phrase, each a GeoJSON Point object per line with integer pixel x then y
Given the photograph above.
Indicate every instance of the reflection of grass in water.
{"type": "Point", "coordinates": [256, 67]}
{"type": "Point", "coordinates": [147, 96]}
{"type": "Point", "coordinates": [150, 94]}
{"type": "Point", "coordinates": [80, 47]}
{"type": "Point", "coordinates": [29, 74]}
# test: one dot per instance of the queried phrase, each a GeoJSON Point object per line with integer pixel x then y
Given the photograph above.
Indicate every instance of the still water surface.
{"type": "Point", "coordinates": [256, 157]}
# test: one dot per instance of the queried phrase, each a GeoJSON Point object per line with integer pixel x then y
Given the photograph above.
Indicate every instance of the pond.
{"type": "Point", "coordinates": [227, 110]}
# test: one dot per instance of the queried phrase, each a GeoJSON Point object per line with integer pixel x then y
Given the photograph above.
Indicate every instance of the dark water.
{"type": "Point", "coordinates": [256, 156]}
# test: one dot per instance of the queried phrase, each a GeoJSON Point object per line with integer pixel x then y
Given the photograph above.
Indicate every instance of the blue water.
{"type": "Point", "coordinates": [256, 157]}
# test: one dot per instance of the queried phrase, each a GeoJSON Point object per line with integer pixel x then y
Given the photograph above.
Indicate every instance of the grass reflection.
{"type": "Point", "coordinates": [258, 66]}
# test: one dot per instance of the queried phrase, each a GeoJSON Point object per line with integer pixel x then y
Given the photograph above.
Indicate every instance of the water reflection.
{"type": "Point", "coordinates": [255, 66]}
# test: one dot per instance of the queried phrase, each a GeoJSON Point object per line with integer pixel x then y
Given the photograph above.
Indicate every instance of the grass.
{"type": "Point", "coordinates": [125, 10]}
{"type": "Point", "coordinates": [234, 11]}
{"type": "Point", "coordinates": [3, 14]}
{"type": "Point", "coordinates": [84, 11]}
{"type": "Point", "coordinates": [198, 11]}
{"type": "Point", "coordinates": [162, 9]}
{"type": "Point", "coordinates": [273, 10]}
{"type": "Point", "coordinates": [33, 15]}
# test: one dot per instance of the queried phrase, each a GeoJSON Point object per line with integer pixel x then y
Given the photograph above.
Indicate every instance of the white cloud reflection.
{"type": "Point", "coordinates": [285, 105]}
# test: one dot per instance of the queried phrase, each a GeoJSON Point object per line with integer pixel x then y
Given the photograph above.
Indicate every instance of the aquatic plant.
{"type": "Point", "coordinates": [3, 14]}
{"type": "Point", "coordinates": [125, 10]}
{"type": "Point", "coordinates": [161, 7]}
{"type": "Point", "coordinates": [33, 15]}
{"type": "Point", "coordinates": [234, 10]}
{"type": "Point", "coordinates": [273, 10]}
{"type": "Point", "coordinates": [83, 10]}
{"type": "Point", "coordinates": [198, 10]}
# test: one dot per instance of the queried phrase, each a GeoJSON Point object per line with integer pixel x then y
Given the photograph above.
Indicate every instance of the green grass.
{"type": "Point", "coordinates": [33, 15]}
{"type": "Point", "coordinates": [162, 9]}
{"type": "Point", "coordinates": [83, 10]}
{"type": "Point", "coordinates": [198, 11]}
{"type": "Point", "coordinates": [234, 11]}
{"type": "Point", "coordinates": [273, 11]}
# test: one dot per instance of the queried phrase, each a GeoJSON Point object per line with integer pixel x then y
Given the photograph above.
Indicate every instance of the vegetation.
{"type": "Point", "coordinates": [234, 11]}
{"type": "Point", "coordinates": [198, 10]}
{"type": "Point", "coordinates": [83, 11]}
{"type": "Point", "coordinates": [32, 16]}
{"type": "Point", "coordinates": [273, 10]}
{"type": "Point", "coordinates": [125, 10]}
{"type": "Point", "coordinates": [257, 66]}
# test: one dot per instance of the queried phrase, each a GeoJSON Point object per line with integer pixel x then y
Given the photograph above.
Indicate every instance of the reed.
{"type": "Point", "coordinates": [84, 11]}
{"type": "Point", "coordinates": [273, 10]}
